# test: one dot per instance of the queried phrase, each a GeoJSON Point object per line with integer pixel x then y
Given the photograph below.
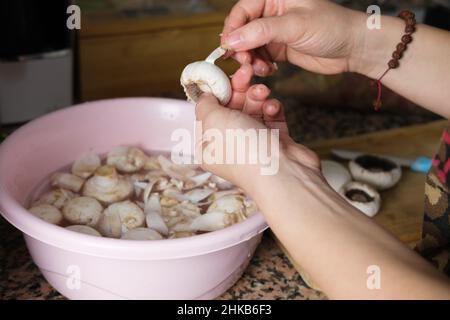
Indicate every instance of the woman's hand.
{"type": "Point", "coordinates": [293, 159]}
{"type": "Point", "coordinates": [316, 35]}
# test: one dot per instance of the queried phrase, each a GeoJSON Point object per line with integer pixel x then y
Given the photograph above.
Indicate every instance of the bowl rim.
{"type": "Point", "coordinates": [65, 239]}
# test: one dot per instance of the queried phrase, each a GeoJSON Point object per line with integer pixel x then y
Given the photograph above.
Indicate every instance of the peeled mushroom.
{"type": "Point", "coordinates": [126, 159]}
{"type": "Point", "coordinates": [130, 215]}
{"type": "Point", "coordinates": [66, 181]}
{"type": "Point", "coordinates": [48, 213]}
{"type": "Point", "coordinates": [379, 172]}
{"type": "Point", "coordinates": [141, 234]}
{"type": "Point", "coordinates": [56, 197]}
{"type": "Point", "coordinates": [212, 221]}
{"type": "Point", "coordinates": [86, 165]}
{"type": "Point", "coordinates": [362, 196]}
{"type": "Point", "coordinates": [108, 186]}
{"type": "Point", "coordinates": [205, 77]}
{"type": "Point", "coordinates": [83, 210]}
{"type": "Point", "coordinates": [335, 174]}
{"type": "Point", "coordinates": [84, 229]}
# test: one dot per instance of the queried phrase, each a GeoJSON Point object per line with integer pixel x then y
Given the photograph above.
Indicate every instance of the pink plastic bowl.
{"type": "Point", "coordinates": [84, 267]}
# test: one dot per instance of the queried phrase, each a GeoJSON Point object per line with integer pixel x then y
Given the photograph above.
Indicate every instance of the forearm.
{"type": "Point", "coordinates": [336, 244]}
{"type": "Point", "coordinates": [424, 72]}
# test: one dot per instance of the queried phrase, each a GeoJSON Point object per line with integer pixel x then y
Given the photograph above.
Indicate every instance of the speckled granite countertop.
{"type": "Point", "coordinates": [269, 275]}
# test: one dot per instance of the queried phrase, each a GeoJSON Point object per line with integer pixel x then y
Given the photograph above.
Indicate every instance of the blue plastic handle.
{"type": "Point", "coordinates": [421, 164]}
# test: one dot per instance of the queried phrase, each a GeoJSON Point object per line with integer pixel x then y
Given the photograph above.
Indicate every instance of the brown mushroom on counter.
{"type": "Point", "coordinates": [381, 173]}
{"type": "Point", "coordinates": [362, 196]}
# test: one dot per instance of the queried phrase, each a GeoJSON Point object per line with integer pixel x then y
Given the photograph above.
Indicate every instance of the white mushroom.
{"type": "Point", "coordinates": [108, 186]}
{"type": "Point", "coordinates": [204, 76]}
{"type": "Point", "coordinates": [152, 164]}
{"type": "Point", "coordinates": [66, 181]}
{"type": "Point", "coordinates": [86, 165]}
{"type": "Point", "coordinates": [130, 215]}
{"type": "Point", "coordinates": [362, 196]}
{"type": "Point", "coordinates": [141, 234]}
{"type": "Point", "coordinates": [379, 172]}
{"type": "Point", "coordinates": [83, 210]}
{"type": "Point", "coordinates": [48, 213]}
{"type": "Point", "coordinates": [335, 174]}
{"type": "Point", "coordinates": [110, 225]}
{"type": "Point", "coordinates": [229, 204]}
{"type": "Point", "coordinates": [56, 197]}
{"type": "Point", "coordinates": [84, 229]}
{"type": "Point", "coordinates": [126, 159]}
{"type": "Point", "coordinates": [214, 220]}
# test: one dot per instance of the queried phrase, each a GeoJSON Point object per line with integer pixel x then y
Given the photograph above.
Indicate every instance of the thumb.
{"type": "Point", "coordinates": [260, 32]}
{"type": "Point", "coordinates": [205, 105]}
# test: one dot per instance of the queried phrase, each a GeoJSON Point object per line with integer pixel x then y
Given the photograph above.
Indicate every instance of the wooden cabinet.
{"type": "Point", "coordinates": [143, 56]}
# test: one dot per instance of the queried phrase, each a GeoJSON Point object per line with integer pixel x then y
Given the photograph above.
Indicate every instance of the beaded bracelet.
{"type": "Point", "coordinates": [410, 21]}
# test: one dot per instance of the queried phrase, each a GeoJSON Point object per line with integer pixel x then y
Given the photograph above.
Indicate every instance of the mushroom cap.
{"type": "Point", "coordinates": [126, 159]}
{"type": "Point", "coordinates": [141, 234]}
{"type": "Point", "coordinates": [84, 229]}
{"type": "Point", "coordinates": [83, 210]}
{"type": "Point", "coordinates": [110, 225]}
{"type": "Point", "coordinates": [67, 181]}
{"type": "Point", "coordinates": [335, 174]}
{"type": "Point", "coordinates": [56, 197]}
{"type": "Point", "coordinates": [362, 196]}
{"type": "Point", "coordinates": [86, 165]}
{"type": "Point", "coordinates": [47, 212]}
{"type": "Point", "coordinates": [130, 214]}
{"type": "Point", "coordinates": [107, 186]}
{"type": "Point", "coordinates": [379, 172]}
{"type": "Point", "coordinates": [202, 76]}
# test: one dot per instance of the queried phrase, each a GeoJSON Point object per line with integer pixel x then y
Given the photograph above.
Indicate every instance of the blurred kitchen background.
{"type": "Point", "coordinates": [139, 47]}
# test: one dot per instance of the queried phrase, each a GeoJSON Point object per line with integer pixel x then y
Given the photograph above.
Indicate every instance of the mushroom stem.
{"type": "Point", "coordinates": [216, 54]}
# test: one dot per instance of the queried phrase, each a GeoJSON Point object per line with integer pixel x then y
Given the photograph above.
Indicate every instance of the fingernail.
{"type": "Point", "coordinates": [233, 41]}
{"type": "Point", "coordinates": [260, 70]}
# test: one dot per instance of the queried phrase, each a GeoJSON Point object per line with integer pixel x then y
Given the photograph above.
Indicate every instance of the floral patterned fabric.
{"type": "Point", "coordinates": [435, 244]}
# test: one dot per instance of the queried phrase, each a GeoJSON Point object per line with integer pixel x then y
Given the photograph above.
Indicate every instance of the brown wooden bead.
{"type": "Point", "coordinates": [411, 22]}
{"type": "Point", "coordinates": [393, 64]}
{"type": "Point", "coordinates": [406, 38]}
{"type": "Point", "coordinates": [410, 29]}
{"type": "Point", "coordinates": [397, 55]}
{"type": "Point", "coordinates": [401, 47]}
{"type": "Point", "coordinates": [404, 14]}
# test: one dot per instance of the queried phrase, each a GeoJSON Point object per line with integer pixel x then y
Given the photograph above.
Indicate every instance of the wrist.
{"type": "Point", "coordinates": [372, 48]}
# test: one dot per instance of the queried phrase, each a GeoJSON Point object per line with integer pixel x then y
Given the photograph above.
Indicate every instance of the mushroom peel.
{"type": "Point", "coordinates": [108, 186]}
{"type": "Point", "coordinates": [379, 172]}
{"type": "Point", "coordinates": [205, 77]}
{"type": "Point", "coordinates": [335, 174]}
{"type": "Point", "coordinates": [47, 212]}
{"type": "Point", "coordinates": [84, 229]}
{"type": "Point", "coordinates": [83, 210]}
{"type": "Point", "coordinates": [362, 196]}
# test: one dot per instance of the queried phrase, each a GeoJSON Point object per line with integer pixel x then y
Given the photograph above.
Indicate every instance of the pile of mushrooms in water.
{"type": "Point", "coordinates": [361, 183]}
{"type": "Point", "coordinates": [132, 195]}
